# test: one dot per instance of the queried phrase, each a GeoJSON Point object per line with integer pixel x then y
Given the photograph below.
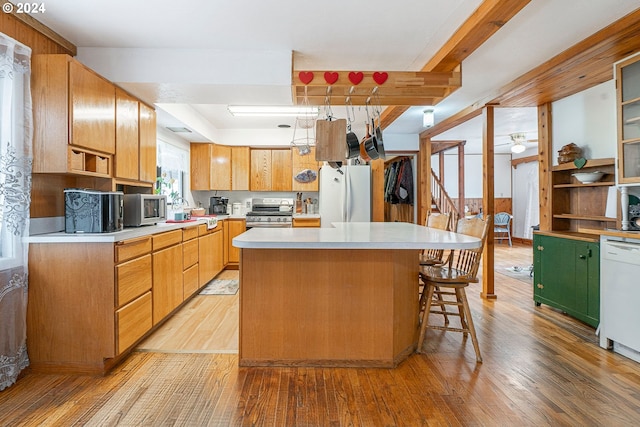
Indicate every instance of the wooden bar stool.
{"type": "Point", "coordinates": [428, 257]}
{"type": "Point", "coordinates": [450, 280]}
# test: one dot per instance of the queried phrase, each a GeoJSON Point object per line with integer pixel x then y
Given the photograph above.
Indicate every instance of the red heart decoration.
{"type": "Point", "coordinates": [380, 78]}
{"type": "Point", "coordinates": [330, 77]}
{"type": "Point", "coordinates": [355, 77]}
{"type": "Point", "coordinates": [305, 76]}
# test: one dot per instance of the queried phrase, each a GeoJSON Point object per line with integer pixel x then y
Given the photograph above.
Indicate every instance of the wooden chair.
{"type": "Point", "coordinates": [502, 227]}
{"type": "Point", "coordinates": [450, 280]}
{"type": "Point", "coordinates": [441, 222]}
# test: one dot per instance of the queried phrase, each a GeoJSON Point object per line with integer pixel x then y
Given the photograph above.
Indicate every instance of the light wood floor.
{"type": "Point", "coordinates": [541, 368]}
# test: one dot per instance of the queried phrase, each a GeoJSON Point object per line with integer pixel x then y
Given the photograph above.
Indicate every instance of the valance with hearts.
{"type": "Point", "coordinates": [390, 87]}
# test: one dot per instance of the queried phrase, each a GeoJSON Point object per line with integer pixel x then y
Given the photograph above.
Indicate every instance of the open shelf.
{"type": "Point", "coordinates": [593, 184]}
{"type": "Point", "coordinates": [585, 217]}
{"type": "Point", "coordinates": [591, 163]}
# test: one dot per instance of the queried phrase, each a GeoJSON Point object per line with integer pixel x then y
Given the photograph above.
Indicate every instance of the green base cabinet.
{"type": "Point", "coordinates": [566, 275]}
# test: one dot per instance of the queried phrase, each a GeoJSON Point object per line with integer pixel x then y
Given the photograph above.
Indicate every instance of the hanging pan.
{"type": "Point", "coordinates": [353, 145]}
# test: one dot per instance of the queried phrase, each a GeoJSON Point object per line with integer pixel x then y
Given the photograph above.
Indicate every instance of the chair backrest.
{"type": "Point", "coordinates": [468, 260]}
{"type": "Point", "coordinates": [439, 221]}
{"type": "Point", "coordinates": [502, 218]}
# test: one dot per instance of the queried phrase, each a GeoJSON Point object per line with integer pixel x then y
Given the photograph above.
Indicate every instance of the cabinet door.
{"type": "Point", "coordinates": [235, 228]}
{"type": "Point", "coordinates": [167, 281]}
{"type": "Point", "coordinates": [260, 170]}
{"type": "Point", "coordinates": [200, 155]}
{"type": "Point", "coordinates": [588, 282]}
{"type": "Point", "coordinates": [127, 160]}
{"type": "Point", "coordinates": [217, 255]}
{"type": "Point", "coordinates": [133, 278]}
{"type": "Point", "coordinates": [93, 109]}
{"type": "Point", "coordinates": [556, 282]}
{"type": "Point", "coordinates": [133, 321]}
{"type": "Point", "coordinates": [300, 163]}
{"type": "Point", "coordinates": [206, 258]}
{"type": "Point", "coordinates": [221, 167]}
{"type": "Point", "coordinates": [281, 170]}
{"type": "Point", "coordinates": [240, 168]}
{"type": "Point", "coordinates": [628, 97]}
{"type": "Point", "coordinates": [147, 137]}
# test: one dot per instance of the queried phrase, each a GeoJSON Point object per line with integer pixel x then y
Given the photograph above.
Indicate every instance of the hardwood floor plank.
{"type": "Point", "coordinates": [541, 368]}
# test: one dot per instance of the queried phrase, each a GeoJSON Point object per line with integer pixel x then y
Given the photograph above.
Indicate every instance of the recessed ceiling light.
{"type": "Point", "coordinates": [178, 129]}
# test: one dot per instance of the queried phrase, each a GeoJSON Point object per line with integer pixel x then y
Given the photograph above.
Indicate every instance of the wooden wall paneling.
{"type": "Point", "coordinates": [488, 274]}
{"type": "Point", "coordinates": [31, 32]}
{"type": "Point", "coordinates": [47, 197]}
{"type": "Point", "coordinates": [240, 168]}
{"type": "Point", "coordinates": [545, 160]}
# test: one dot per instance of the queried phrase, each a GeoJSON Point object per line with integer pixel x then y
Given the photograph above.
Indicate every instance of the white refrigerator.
{"type": "Point", "coordinates": [345, 194]}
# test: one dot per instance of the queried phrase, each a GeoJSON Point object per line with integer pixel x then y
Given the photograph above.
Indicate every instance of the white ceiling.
{"type": "Point", "coordinates": [194, 57]}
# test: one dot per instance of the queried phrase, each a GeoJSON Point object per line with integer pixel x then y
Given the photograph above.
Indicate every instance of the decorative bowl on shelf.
{"type": "Point", "coordinates": [588, 177]}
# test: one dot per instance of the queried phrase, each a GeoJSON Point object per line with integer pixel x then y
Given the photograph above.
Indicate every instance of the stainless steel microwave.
{"type": "Point", "coordinates": [144, 209]}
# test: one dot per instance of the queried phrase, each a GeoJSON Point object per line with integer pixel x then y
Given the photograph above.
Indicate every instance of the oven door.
{"type": "Point", "coordinates": [250, 225]}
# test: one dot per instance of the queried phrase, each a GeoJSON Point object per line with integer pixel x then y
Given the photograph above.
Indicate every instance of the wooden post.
{"type": "Point", "coordinates": [441, 167]}
{"type": "Point", "coordinates": [461, 201]}
{"type": "Point", "coordinates": [488, 274]}
{"type": "Point", "coordinates": [425, 179]}
{"type": "Point", "coordinates": [545, 161]}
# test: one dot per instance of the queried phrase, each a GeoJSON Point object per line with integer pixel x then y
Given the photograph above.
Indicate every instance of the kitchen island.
{"type": "Point", "coordinates": [341, 296]}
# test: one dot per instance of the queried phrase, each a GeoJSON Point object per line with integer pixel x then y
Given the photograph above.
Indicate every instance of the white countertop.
{"type": "Point", "coordinates": [357, 235]}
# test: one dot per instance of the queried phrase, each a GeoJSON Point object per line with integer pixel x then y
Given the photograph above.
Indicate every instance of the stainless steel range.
{"type": "Point", "coordinates": [272, 213]}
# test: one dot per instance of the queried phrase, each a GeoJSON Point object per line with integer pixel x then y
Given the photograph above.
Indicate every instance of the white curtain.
{"type": "Point", "coordinates": [16, 160]}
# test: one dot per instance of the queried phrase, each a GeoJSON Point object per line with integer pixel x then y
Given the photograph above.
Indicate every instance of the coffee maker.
{"type": "Point", "coordinates": [218, 205]}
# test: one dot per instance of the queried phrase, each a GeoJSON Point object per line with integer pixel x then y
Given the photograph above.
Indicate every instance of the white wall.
{"type": "Point", "coordinates": [587, 119]}
{"type": "Point", "coordinates": [473, 175]}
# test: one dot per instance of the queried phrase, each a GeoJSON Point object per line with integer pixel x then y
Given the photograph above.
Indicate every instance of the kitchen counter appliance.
{"type": "Point", "coordinates": [92, 211]}
{"type": "Point", "coordinates": [218, 205]}
{"type": "Point", "coordinates": [144, 209]}
{"type": "Point", "coordinates": [271, 213]}
{"type": "Point", "coordinates": [620, 295]}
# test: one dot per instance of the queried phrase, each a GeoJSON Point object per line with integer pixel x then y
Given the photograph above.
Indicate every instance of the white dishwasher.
{"type": "Point", "coordinates": [620, 295]}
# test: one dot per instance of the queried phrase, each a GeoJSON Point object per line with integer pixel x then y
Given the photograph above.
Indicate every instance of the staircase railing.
{"type": "Point", "coordinates": [442, 201]}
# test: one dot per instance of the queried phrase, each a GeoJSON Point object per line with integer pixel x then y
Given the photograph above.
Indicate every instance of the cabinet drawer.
{"type": "Point", "coordinates": [128, 249]}
{"type": "Point", "coordinates": [306, 222]}
{"type": "Point", "coordinates": [190, 280]}
{"type": "Point", "coordinates": [203, 230]}
{"type": "Point", "coordinates": [164, 240]}
{"type": "Point", "coordinates": [189, 253]}
{"type": "Point", "coordinates": [133, 321]}
{"type": "Point", "coordinates": [189, 233]}
{"type": "Point", "coordinates": [133, 278]}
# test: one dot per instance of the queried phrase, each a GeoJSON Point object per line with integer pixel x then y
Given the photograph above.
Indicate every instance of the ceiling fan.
{"type": "Point", "coordinates": [518, 139]}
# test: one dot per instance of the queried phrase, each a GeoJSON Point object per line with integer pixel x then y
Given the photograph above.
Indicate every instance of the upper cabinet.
{"type": "Point", "coordinates": [300, 164]}
{"type": "Point", "coordinates": [210, 167]}
{"type": "Point", "coordinates": [628, 100]}
{"type": "Point", "coordinates": [148, 142]}
{"type": "Point", "coordinates": [127, 160]}
{"type": "Point", "coordinates": [85, 125]}
{"type": "Point", "coordinates": [240, 168]}
{"type": "Point", "coordinates": [74, 113]}
{"type": "Point", "coordinates": [270, 170]}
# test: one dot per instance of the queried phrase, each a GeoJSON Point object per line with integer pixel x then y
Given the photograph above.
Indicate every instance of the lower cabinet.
{"type": "Point", "coordinates": [306, 222]}
{"type": "Point", "coordinates": [236, 227]}
{"type": "Point", "coordinates": [210, 252]}
{"type": "Point", "coordinates": [566, 275]}
{"type": "Point", "coordinates": [89, 304]}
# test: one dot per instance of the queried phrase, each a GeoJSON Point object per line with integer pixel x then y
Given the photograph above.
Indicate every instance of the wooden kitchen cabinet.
{"type": "Point", "coordinates": [270, 170]}
{"type": "Point", "coordinates": [300, 163]}
{"type": "Point", "coordinates": [74, 113]}
{"type": "Point", "coordinates": [210, 252]}
{"type": "Point", "coordinates": [168, 290]}
{"type": "Point", "coordinates": [235, 228]}
{"type": "Point", "coordinates": [127, 158]}
{"type": "Point", "coordinates": [301, 221]}
{"type": "Point", "coordinates": [627, 74]}
{"type": "Point", "coordinates": [190, 258]}
{"type": "Point", "coordinates": [575, 205]}
{"type": "Point", "coordinates": [210, 167]}
{"type": "Point", "coordinates": [566, 274]}
{"type": "Point", "coordinates": [148, 143]}
{"type": "Point", "coordinates": [240, 168]}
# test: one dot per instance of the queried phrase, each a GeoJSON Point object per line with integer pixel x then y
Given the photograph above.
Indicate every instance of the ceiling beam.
{"type": "Point", "coordinates": [485, 21]}
{"type": "Point", "coordinates": [582, 66]}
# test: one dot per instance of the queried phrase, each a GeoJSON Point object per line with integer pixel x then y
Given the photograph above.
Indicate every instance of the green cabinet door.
{"type": "Point", "coordinates": [567, 276]}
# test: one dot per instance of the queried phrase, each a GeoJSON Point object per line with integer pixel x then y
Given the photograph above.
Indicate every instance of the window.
{"type": "Point", "coordinates": [172, 163]}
